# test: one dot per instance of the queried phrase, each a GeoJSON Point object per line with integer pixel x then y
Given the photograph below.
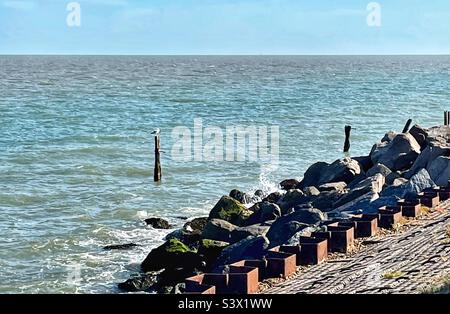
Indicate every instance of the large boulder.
{"type": "Point", "coordinates": [143, 282]}
{"type": "Point", "coordinates": [264, 211]}
{"type": "Point", "coordinates": [243, 232]}
{"type": "Point", "coordinates": [218, 229]}
{"type": "Point", "coordinates": [370, 185]}
{"type": "Point", "coordinates": [306, 232]}
{"type": "Point", "coordinates": [249, 248]}
{"type": "Point", "coordinates": [291, 199]}
{"type": "Point", "coordinates": [280, 233]}
{"type": "Point", "coordinates": [196, 225]}
{"type": "Point", "coordinates": [230, 210]}
{"type": "Point", "coordinates": [211, 250]}
{"type": "Point", "coordinates": [365, 162]}
{"type": "Point", "coordinates": [311, 191]}
{"type": "Point", "coordinates": [333, 186]}
{"type": "Point", "coordinates": [342, 170]}
{"type": "Point", "coordinates": [357, 205]}
{"type": "Point", "coordinates": [436, 147]}
{"type": "Point", "coordinates": [379, 168]}
{"type": "Point", "coordinates": [420, 135]}
{"type": "Point", "coordinates": [241, 197]}
{"type": "Point", "coordinates": [158, 223]}
{"type": "Point", "coordinates": [439, 170]}
{"type": "Point", "coordinates": [171, 254]}
{"type": "Point", "coordinates": [420, 181]}
{"type": "Point", "coordinates": [397, 154]}
{"type": "Point", "coordinates": [274, 197]}
{"type": "Point", "coordinates": [326, 200]}
{"type": "Point", "coordinates": [289, 184]}
{"type": "Point", "coordinates": [312, 175]}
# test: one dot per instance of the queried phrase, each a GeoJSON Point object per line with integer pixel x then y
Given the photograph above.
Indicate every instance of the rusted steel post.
{"type": "Point", "coordinates": [407, 125]}
{"type": "Point", "coordinates": [348, 129]}
{"type": "Point", "coordinates": [157, 171]}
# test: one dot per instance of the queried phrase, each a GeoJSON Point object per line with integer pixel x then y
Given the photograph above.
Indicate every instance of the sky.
{"type": "Point", "coordinates": [200, 27]}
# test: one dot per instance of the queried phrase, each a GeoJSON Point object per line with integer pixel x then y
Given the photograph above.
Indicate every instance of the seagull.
{"type": "Point", "coordinates": [156, 131]}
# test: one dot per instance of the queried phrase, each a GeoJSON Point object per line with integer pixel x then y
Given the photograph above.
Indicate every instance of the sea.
{"type": "Point", "coordinates": [77, 149]}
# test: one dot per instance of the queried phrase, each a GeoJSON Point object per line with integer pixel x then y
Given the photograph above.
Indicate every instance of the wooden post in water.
{"type": "Point", "coordinates": [348, 129]}
{"type": "Point", "coordinates": [407, 125]}
{"type": "Point", "coordinates": [157, 171]}
{"type": "Point", "coordinates": [446, 116]}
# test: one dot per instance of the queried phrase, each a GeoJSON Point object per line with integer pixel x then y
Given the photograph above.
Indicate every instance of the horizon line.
{"type": "Point", "coordinates": [230, 55]}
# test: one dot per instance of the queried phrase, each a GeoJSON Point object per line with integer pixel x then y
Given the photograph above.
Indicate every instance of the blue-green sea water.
{"type": "Point", "coordinates": [76, 150]}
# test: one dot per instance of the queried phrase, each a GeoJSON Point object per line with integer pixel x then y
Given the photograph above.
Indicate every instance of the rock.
{"type": "Point", "coordinates": [312, 175]}
{"type": "Point", "coordinates": [372, 184]}
{"type": "Point", "coordinates": [211, 250]}
{"type": "Point", "coordinates": [218, 229]}
{"type": "Point", "coordinates": [334, 186]}
{"type": "Point", "coordinates": [158, 223]}
{"type": "Point", "coordinates": [311, 191]}
{"type": "Point", "coordinates": [289, 184]}
{"type": "Point", "coordinates": [280, 233]}
{"type": "Point", "coordinates": [196, 225]}
{"type": "Point", "coordinates": [398, 154]}
{"type": "Point", "coordinates": [243, 232]}
{"type": "Point", "coordinates": [308, 216]}
{"type": "Point", "coordinates": [357, 205]}
{"type": "Point", "coordinates": [325, 201]}
{"type": "Point", "coordinates": [306, 232]}
{"type": "Point", "coordinates": [420, 135]}
{"type": "Point", "coordinates": [342, 170]}
{"type": "Point", "coordinates": [365, 162]}
{"type": "Point", "coordinates": [380, 202]}
{"type": "Point", "coordinates": [399, 181]}
{"type": "Point", "coordinates": [356, 180]}
{"type": "Point", "coordinates": [143, 282]}
{"type": "Point", "coordinates": [274, 197]}
{"type": "Point", "coordinates": [240, 196]}
{"type": "Point", "coordinates": [120, 247]}
{"type": "Point", "coordinates": [179, 288]}
{"type": "Point", "coordinates": [265, 211]}
{"type": "Point", "coordinates": [439, 170]}
{"type": "Point", "coordinates": [379, 168]}
{"type": "Point", "coordinates": [189, 238]}
{"type": "Point", "coordinates": [388, 137]}
{"type": "Point", "coordinates": [171, 254]}
{"type": "Point", "coordinates": [416, 184]}
{"type": "Point", "coordinates": [249, 248]}
{"type": "Point", "coordinates": [392, 177]}
{"type": "Point", "coordinates": [171, 277]}
{"type": "Point", "coordinates": [230, 210]}
{"type": "Point", "coordinates": [436, 147]}
{"type": "Point", "coordinates": [291, 199]}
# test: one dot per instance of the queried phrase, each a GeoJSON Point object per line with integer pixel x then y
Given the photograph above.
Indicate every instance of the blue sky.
{"type": "Point", "coordinates": [224, 27]}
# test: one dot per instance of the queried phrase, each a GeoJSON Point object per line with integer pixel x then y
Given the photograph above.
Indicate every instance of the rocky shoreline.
{"type": "Point", "coordinates": [242, 226]}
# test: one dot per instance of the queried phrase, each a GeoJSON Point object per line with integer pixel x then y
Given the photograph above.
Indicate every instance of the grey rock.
{"type": "Point", "coordinates": [311, 191]}
{"type": "Point", "coordinates": [372, 185]}
{"type": "Point", "coordinates": [416, 184]}
{"type": "Point", "coordinates": [126, 246]}
{"type": "Point", "coordinates": [326, 200]}
{"type": "Point", "coordinates": [333, 186]}
{"type": "Point", "coordinates": [231, 210]}
{"type": "Point", "coordinates": [439, 170]}
{"type": "Point", "coordinates": [397, 154]}
{"type": "Point", "coordinates": [359, 204]}
{"type": "Point", "coordinates": [291, 199]}
{"type": "Point", "coordinates": [379, 168]}
{"type": "Point", "coordinates": [265, 211]}
{"type": "Point", "coordinates": [388, 137]}
{"type": "Point", "coordinates": [420, 135]}
{"type": "Point", "coordinates": [243, 232]}
{"type": "Point", "coordinates": [392, 177]}
{"type": "Point", "coordinates": [274, 197]}
{"type": "Point", "coordinates": [217, 229]}
{"type": "Point", "coordinates": [240, 196]}
{"type": "Point", "coordinates": [158, 223]}
{"type": "Point", "coordinates": [436, 147]}
{"type": "Point", "coordinates": [289, 184]}
{"type": "Point", "coordinates": [249, 248]}
{"type": "Point", "coordinates": [365, 162]}
{"type": "Point", "coordinates": [312, 175]}
{"type": "Point", "coordinates": [342, 170]}
{"type": "Point", "coordinates": [280, 233]}
{"type": "Point", "coordinates": [196, 225]}
{"type": "Point", "coordinates": [304, 232]}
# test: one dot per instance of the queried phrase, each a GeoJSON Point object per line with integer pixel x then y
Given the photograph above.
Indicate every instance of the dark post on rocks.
{"type": "Point", "coordinates": [407, 125]}
{"type": "Point", "coordinates": [446, 117]}
{"type": "Point", "coordinates": [157, 171]}
{"type": "Point", "coordinates": [348, 129]}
